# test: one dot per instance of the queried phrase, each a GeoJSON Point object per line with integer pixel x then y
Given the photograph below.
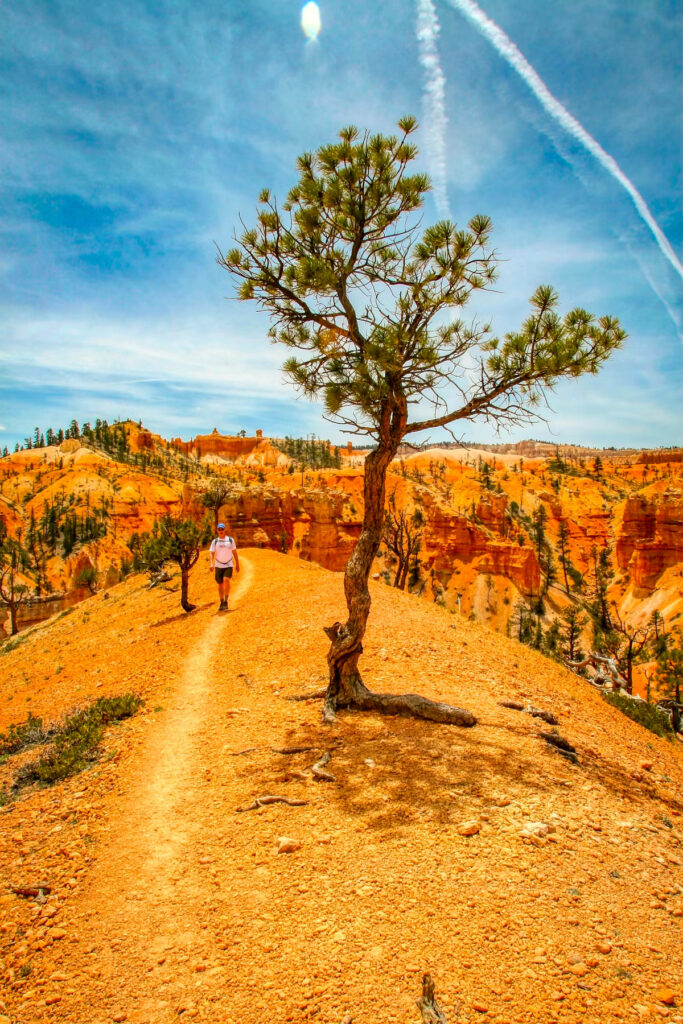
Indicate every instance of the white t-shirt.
{"type": "Point", "coordinates": [222, 549]}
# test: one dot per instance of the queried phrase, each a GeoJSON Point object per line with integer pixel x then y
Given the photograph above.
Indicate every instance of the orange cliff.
{"type": "Point", "coordinates": [313, 522]}
{"type": "Point", "coordinates": [452, 540]}
{"type": "Point", "coordinates": [650, 534]}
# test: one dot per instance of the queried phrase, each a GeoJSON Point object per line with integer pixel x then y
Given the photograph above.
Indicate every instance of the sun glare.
{"type": "Point", "coordinates": [310, 20]}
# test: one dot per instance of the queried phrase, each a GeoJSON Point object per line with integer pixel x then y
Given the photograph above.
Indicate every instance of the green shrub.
{"type": "Point", "coordinates": [76, 740]}
{"type": "Point", "coordinates": [26, 734]}
{"type": "Point", "coordinates": [643, 713]}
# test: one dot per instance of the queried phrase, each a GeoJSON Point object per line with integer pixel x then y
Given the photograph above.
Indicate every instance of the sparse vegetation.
{"type": "Point", "coordinates": [640, 711]}
{"type": "Point", "coordinates": [75, 740]}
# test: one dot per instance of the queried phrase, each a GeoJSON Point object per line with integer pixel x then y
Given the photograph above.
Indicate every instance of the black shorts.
{"type": "Point", "coordinates": [221, 572]}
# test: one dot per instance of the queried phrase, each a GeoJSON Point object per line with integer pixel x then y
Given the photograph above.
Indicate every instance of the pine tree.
{"type": "Point", "coordinates": [343, 235]}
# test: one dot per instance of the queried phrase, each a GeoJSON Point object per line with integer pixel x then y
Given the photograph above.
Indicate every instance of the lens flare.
{"type": "Point", "coordinates": [310, 20]}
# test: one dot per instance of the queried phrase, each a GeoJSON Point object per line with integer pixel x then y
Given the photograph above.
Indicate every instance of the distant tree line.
{"type": "Point", "coordinates": [310, 454]}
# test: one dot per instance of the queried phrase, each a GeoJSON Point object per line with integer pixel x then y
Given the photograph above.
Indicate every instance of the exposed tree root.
{"type": "Point", "coordinates": [316, 695]}
{"type": "Point", "coordinates": [347, 689]}
{"type": "Point", "coordinates": [529, 709]}
{"type": "Point", "coordinates": [427, 1004]}
{"type": "Point", "coordinates": [31, 890]}
{"type": "Point", "coordinates": [263, 801]}
{"type": "Point", "coordinates": [292, 750]}
{"type": "Point", "coordinates": [561, 745]}
{"type": "Point", "coordinates": [405, 705]}
{"type": "Point", "coordinates": [239, 753]}
{"type": "Point", "coordinates": [318, 769]}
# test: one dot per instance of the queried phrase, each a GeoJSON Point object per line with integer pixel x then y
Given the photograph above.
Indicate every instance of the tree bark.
{"type": "Point", "coordinates": [346, 687]}
{"type": "Point", "coordinates": [184, 583]}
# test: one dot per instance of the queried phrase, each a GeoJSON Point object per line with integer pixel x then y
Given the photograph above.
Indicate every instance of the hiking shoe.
{"type": "Point", "coordinates": [222, 606]}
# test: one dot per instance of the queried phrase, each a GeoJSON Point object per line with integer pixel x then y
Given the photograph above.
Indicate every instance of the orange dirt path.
{"type": "Point", "coordinates": [167, 904]}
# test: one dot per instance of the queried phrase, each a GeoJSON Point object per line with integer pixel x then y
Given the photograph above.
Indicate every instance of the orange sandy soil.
{"type": "Point", "coordinates": [167, 904]}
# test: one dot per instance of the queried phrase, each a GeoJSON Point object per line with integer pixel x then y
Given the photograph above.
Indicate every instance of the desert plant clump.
{"type": "Point", "coordinates": [643, 713]}
{"type": "Point", "coordinates": [27, 734]}
{"type": "Point", "coordinates": [75, 740]}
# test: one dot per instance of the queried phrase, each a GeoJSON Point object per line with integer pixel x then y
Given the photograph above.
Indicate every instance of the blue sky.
{"type": "Point", "coordinates": [135, 133]}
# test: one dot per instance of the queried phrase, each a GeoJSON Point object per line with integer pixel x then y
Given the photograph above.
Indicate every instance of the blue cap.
{"type": "Point", "coordinates": [221, 526]}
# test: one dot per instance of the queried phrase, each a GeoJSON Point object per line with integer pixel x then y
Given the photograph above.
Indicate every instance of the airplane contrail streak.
{"type": "Point", "coordinates": [436, 119]}
{"type": "Point", "coordinates": [507, 49]}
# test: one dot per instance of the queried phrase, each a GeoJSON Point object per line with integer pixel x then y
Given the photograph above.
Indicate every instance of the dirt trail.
{"type": "Point", "coordinates": [145, 901]}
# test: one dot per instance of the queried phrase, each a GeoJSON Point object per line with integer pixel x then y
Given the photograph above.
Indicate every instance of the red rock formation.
{"type": "Point", "coordinates": [452, 539]}
{"type": "Point", "coordinates": [311, 522]}
{"type": "Point", "coordinates": [650, 537]}
{"type": "Point", "coordinates": [649, 458]}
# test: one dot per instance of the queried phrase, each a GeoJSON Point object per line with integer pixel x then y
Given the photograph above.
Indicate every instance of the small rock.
{"type": "Point", "coordinates": [286, 845]}
{"type": "Point", "coordinates": [538, 828]}
{"type": "Point", "coordinates": [580, 970]}
{"type": "Point", "coordinates": [480, 1007]}
{"type": "Point", "coordinates": [57, 933]}
{"type": "Point", "coordinates": [339, 937]}
{"type": "Point", "coordinates": [469, 828]}
{"type": "Point", "coordinates": [666, 995]}
{"type": "Point", "coordinates": [119, 1017]}
{"type": "Point", "coordinates": [647, 766]}
{"type": "Point", "coordinates": [603, 947]}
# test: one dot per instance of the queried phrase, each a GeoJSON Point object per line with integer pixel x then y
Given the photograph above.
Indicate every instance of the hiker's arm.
{"type": "Point", "coordinates": [211, 557]}
{"type": "Point", "coordinates": [236, 559]}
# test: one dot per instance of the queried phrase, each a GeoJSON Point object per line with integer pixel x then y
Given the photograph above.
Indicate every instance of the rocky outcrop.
{"type": "Point", "coordinates": [230, 448]}
{"type": "Point", "coordinates": [311, 522]}
{"type": "Point", "coordinates": [452, 539]}
{"type": "Point", "coordinates": [650, 537]}
{"type": "Point", "coordinates": [650, 458]}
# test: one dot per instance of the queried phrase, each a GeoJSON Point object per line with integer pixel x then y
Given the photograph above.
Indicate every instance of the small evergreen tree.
{"type": "Point", "coordinates": [13, 563]}
{"type": "Point", "coordinates": [365, 304]}
{"type": "Point", "coordinates": [214, 497]}
{"type": "Point", "coordinates": [573, 624]}
{"type": "Point", "coordinates": [177, 539]}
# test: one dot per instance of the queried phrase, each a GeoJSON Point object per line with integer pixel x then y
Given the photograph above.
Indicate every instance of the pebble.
{"type": "Point", "coordinates": [469, 828]}
{"type": "Point", "coordinates": [666, 995]}
{"type": "Point", "coordinates": [286, 845]}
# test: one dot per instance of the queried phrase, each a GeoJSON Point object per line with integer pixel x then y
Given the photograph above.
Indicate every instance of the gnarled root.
{"type": "Point", "coordinates": [347, 690]}
{"type": "Point", "coordinates": [427, 1004]}
{"type": "Point", "coordinates": [408, 705]}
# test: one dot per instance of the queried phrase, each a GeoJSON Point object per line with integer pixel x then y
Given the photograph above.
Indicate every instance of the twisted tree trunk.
{"type": "Point", "coordinates": [346, 687]}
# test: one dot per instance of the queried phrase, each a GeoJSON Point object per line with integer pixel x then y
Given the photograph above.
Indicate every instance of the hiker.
{"type": "Point", "coordinates": [222, 552]}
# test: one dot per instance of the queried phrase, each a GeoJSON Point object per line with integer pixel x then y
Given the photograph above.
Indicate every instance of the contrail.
{"type": "Point", "coordinates": [507, 49]}
{"type": "Point", "coordinates": [434, 101]}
